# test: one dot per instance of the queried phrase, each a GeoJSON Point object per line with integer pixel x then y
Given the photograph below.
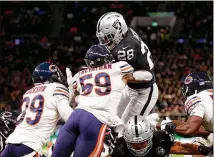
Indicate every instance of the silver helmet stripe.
{"type": "Point", "coordinates": [98, 25]}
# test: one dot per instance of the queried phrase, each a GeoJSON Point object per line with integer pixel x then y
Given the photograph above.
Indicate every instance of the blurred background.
{"type": "Point", "coordinates": [178, 34]}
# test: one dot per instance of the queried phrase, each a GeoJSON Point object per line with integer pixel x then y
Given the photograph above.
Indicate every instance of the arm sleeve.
{"type": "Point", "coordinates": [194, 107]}
{"type": "Point", "coordinates": [64, 109]}
{"type": "Point", "coordinates": [125, 68]}
{"type": "Point", "coordinates": [198, 110]}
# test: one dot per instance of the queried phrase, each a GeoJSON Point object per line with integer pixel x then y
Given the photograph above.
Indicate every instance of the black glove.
{"type": "Point", "coordinates": [8, 120]}
{"type": "Point", "coordinates": [110, 138]}
{"type": "Point", "coordinates": [207, 151]}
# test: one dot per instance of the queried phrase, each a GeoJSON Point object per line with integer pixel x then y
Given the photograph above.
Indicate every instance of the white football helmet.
{"type": "Point", "coordinates": [111, 29]}
{"type": "Point", "coordinates": [138, 134]}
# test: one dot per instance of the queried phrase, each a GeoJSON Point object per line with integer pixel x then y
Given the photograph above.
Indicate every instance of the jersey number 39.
{"type": "Point", "coordinates": [37, 110]}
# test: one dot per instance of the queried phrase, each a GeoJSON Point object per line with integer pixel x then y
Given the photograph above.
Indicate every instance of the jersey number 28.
{"type": "Point", "coordinates": [37, 110]}
{"type": "Point", "coordinates": [101, 86]}
{"type": "Point", "coordinates": [125, 55]}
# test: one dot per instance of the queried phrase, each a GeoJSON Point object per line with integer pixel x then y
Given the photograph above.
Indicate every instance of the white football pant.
{"type": "Point", "coordinates": [137, 102]}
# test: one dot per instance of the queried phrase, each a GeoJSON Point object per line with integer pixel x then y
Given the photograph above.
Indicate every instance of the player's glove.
{"type": "Point", "coordinates": [110, 139]}
{"type": "Point", "coordinates": [153, 119]}
{"type": "Point", "coordinates": [164, 122]}
{"type": "Point", "coordinates": [69, 79]}
{"type": "Point", "coordinates": [199, 141]}
{"type": "Point", "coordinates": [210, 139]}
{"type": "Point", "coordinates": [206, 151]}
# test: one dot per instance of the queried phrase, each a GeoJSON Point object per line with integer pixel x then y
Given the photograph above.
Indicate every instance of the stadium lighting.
{"type": "Point", "coordinates": [154, 24]}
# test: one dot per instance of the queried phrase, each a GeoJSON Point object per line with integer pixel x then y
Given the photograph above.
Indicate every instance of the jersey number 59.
{"type": "Point", "coordinates": [37, 110]}
{"type": "Point", "coordinates": [101, 87]}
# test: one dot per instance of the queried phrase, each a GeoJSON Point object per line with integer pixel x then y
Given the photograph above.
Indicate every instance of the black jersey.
{"type": "Point", "coordinates": [7, 125]}
{"type": "Point", "coordinates": [162, 142]}
{"type": "Point", "coordinates": [134, 51]}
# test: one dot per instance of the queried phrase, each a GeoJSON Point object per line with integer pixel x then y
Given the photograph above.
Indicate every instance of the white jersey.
{"type": "Point", "coordinates": [201, 104]}
{"type": "Point", "coordinates": [101, 89]}
{"type": "Point", "coordinates": [42, 107]}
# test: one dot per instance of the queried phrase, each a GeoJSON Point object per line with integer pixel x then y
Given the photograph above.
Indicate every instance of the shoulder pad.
{"type": "Point", "coordinates": [61, 90]}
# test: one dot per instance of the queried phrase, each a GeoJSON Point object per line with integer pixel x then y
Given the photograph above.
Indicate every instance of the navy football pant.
{"type": "Point", "coordinates": [82, 134]}
{"type": "Point", "coordinates": [18, 150]}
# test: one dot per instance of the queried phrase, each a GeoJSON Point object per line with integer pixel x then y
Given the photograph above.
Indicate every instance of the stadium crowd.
{"type": "Point", "coordinates": [25, 41]}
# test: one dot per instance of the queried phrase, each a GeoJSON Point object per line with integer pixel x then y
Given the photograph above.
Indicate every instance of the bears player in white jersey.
{"type": "Point", "coordinates": [42, 107]}
{"type": "Point", "coordinates": [125, 45]}
{"type": "Point", "coordinates": [100, 88]}
{"type": "Point", "coordinates": [198, 92]}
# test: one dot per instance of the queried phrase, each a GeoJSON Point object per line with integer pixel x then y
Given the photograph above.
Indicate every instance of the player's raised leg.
{"type": "Point", "coordinates": [67, 137]}
{"type": "Point", "coordinates": [124, 101]}
{"type": "Point", "coordinates": [141, 103]}
{"type": "Point", "coordinates": [90, 143]}
{"type": "Point", "coordinates": [90, 132]}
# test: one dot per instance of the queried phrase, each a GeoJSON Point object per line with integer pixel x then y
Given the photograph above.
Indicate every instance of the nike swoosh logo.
{"type": "Point", "coordinates": [125, 47]}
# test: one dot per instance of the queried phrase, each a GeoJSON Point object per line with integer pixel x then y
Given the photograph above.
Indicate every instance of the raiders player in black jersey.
{"type": "Point", "coordinates": [139, 139]}
{"type": "Point", "coordinates": [140, 96]}
{"type": "Point", "coordinates": [7, 125]}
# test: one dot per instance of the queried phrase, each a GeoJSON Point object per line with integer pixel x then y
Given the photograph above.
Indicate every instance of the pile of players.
{"type": "Point", "coordinates": [114, 97]}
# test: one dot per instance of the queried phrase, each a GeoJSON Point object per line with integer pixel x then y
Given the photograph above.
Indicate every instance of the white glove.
{"type": "Point", "coordinates": [210, 140]}
{"type": "Point", "coordinates": [164, 122]}
{"type": "Point", "coordinates": [69, 79]}
{"type": "Point", "coordinates": [199, 141]}
{"type": "Point", "coordinates": [153, 119]}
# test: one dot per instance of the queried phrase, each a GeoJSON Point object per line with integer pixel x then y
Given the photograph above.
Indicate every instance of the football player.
{"type": "Point", "coordinates": [7, 125]}
{"type": "Point", "coordinates": [42, 107]}
{"type": "Point", "coordinates": [99, 87]}
{"type": "Point", "coordinates": [140, 139]}
{"type": "Point", "coordinates": [125, 45]}
{"type": "Point", "coordinates": [198, 92]}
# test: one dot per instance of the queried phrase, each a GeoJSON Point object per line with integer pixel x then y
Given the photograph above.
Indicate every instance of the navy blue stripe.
{"type": "Point", "coordinates": [194, 97]}
{"type": "Point", "coordinates": [124, 65]}
{"type": "Point", "coordinates": [124, 72]}
{"type": "Point", "coordinates": [61, 94]}
{"type": "Point", "coordinates": [63, 89]}
{"type": "Point", "coordinates": [196, 102]}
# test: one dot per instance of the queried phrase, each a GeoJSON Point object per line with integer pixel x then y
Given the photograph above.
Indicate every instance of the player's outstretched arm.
{"type": "Point", "coordinates": [200, 133]}
{"type": "Point", "coordinates": [190, 149]}
{"type": "Point", "coordinates": [190, 128]}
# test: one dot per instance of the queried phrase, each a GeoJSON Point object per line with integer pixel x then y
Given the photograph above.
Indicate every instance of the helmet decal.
{"type": "Point", "coordinates": [117, 25]}
{"type": "Point", "coordinates": [188, 80]}
{"type": "Point", "coordinates": [53, 68]}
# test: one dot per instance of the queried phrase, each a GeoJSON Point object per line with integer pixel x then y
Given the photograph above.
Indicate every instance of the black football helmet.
{"type": "Point", "coordinates": [196, 82]}
{"type": "Point", "coordinates": [98, 55]}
